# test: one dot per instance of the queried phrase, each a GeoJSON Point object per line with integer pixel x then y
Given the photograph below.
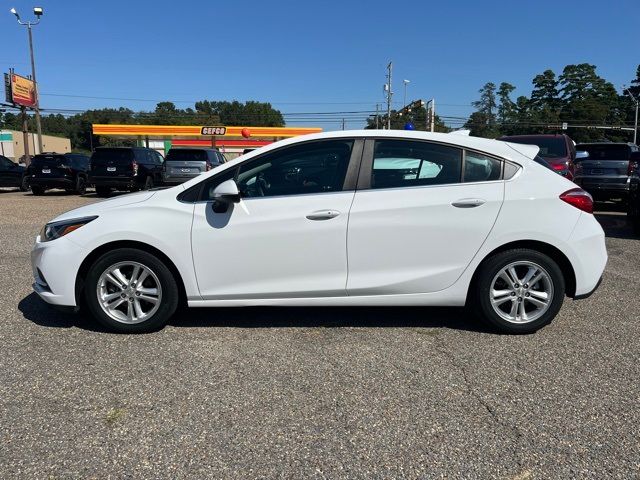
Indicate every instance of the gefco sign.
{"type": "Point", "coordinates": [21, 90]}
{"type": "Point", "coordinates": [213, 131]}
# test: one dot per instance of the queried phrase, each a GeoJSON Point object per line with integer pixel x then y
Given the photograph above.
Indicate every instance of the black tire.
{"type": "Point", "coordinates": [36, 190]}
{"type": "Point", "coordinates": [169, 289]}
{"type": "Point", "coordinates": [24, 184]}
{"type": "Point", "coordinates": [480, 298]}
{"type": "Point", "coordinates": [103, 191]}
{"type": "Point", "coordinates": [148, 183]}
{"type": "Point", "coordinates": [81, 186]}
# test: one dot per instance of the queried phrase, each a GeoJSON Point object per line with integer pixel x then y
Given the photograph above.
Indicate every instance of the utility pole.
{"type": "Point", "coordinates": [635, 124]}
{"type": "Point", "coordinates": [389, 94]}
{"type": "Point", "coordinates": [25, 136]}
{"type": "Point", "coordinates": [377, 118]}
{"type": "Point", "coordinates": [343, 124]}
{"type": "Point", "coordinates": [433, 114]}
{"type": "Point", "coordinates": [38, 13]}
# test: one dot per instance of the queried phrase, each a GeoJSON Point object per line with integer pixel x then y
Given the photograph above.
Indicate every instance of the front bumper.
{"type": "Point", "coordinates": [55, 265]}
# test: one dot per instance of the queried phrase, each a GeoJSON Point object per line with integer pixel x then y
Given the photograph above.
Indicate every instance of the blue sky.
{"type": "Point", "coordinates": [311, 57]}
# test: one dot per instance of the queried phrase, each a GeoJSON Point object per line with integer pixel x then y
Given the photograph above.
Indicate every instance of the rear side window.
{"type": "Point", "coordinates": [405, 163]}
{"type": "Point", "coordinates": [183, 154]}
{"type": "Point", "coordinates": [606, 152]}
{"type": "Point", "coordinates": [118, 156]}
{"type": "Point", "coordinates": [481, 168]}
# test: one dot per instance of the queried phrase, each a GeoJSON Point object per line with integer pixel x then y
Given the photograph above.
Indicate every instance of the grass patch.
{"type": "Point", "coordinates": [114, 416]}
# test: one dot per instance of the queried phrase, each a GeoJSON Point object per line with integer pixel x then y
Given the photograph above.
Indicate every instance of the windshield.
{"type": "Point", "coordinates": [49, 160]}
{"type": "Point", "coordinates": [118, 156]}
{"type": "Point", "coordinates": [606, 152]}
{"type": "Point", "coordinates": [186, 155]}
{"type": "Point", "coordinates": [550, 147]}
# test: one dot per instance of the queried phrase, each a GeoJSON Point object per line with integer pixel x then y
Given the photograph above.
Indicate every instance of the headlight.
{"type": "Point", "coordinates": [54, 230]}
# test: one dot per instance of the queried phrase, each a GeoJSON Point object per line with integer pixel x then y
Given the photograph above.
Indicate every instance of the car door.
{"type": "Point", "coordinates": [287, 236]}
{"type": "Point", "coordinates": [10, 173]}
{"type": "Point", "coordinates": [421, 212]}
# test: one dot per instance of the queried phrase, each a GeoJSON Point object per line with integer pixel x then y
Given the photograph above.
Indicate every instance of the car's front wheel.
{"type": "Point", "coordinates": [131, 291]}
{"type": "Point", "coordinates": [519, 290]}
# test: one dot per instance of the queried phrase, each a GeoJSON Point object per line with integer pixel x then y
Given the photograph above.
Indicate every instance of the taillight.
{"type": "Point", "coordinates": [632, 166]}
{"type": "Point", "coordinates": [558, 166]}
{"type": "Point", "coordinates": [579, 199]}
{"type": "Point", "coordinates": [135, 168]}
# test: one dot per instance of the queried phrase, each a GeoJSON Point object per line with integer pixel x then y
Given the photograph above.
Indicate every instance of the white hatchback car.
{"type": "Point", "coordinates": [340, 218]}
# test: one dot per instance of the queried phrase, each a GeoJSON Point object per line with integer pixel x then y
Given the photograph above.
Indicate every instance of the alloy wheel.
{"type": "Point", "coordinates": [521, 292]}
{"type": "Point", "coordinates": [129, 292]}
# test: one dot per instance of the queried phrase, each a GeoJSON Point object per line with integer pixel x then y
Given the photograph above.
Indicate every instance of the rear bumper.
{"type": "Point", "coordinates": [602, 188]}
{"type": "Point", "coordinates": [114, 182]}
{"type": "Point", "coordinates": [588, 294]}
{"type": "Point", "coordinates": [588, 254]}
{"type": "Point", "coordinates": [59, 182]}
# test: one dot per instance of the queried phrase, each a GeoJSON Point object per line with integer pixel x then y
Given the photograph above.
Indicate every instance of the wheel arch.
{"type": "Point", "coordinates": [553, 252]}
{"type": "Point", "coordinates": [107, 247]}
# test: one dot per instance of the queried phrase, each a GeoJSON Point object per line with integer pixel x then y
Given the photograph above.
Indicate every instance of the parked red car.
{"type": "Point", "coordinates": [557, 149]}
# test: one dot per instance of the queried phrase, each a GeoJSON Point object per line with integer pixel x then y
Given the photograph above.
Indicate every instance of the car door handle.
{"type": "Point", "coordinates": [468, 203]}
{"type": "Point", "coordinates": [323, 215]}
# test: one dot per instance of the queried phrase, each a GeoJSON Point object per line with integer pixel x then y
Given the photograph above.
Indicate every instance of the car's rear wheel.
{"type": "Point", "coordinates": [24, 184]}
{"type": "Point", "coordinates": [519, 291]}
{"type": "Point", "coordinates": [148, 183]}
{"type": "Point", "coordinates": [36, 190]}
{"type": "Point", "coordinates": [81, 186]}
{"type": "Point", "coordinates": [131, 291]}
{"type": "Point", "coordinates": [103, 191]}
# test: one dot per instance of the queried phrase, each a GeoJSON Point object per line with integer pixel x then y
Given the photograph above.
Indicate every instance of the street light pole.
{"type": "Point", "coordinates": [38, 13]}
{"type": "Point", "coordinates": [389, 94]}
{"type": "Point", "coordinates": [635, 124]}
{"type": "Point", "coordinates": [406, 82]}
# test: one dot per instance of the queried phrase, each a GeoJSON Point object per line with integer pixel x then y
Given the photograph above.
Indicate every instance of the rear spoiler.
{"type": "Point", "coordinates": [529, 151]}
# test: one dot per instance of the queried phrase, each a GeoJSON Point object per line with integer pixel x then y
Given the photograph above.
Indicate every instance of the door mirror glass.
{"type": "Point", "coordinates": [581, 155]}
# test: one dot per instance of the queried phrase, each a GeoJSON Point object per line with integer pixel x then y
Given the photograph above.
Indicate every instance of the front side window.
{"type": "Point", "coordinates": [481, 168]}
{"type": "Point", "coordinates": [316, 167]}
{"type": "Point", "coordinates": [404, 163]}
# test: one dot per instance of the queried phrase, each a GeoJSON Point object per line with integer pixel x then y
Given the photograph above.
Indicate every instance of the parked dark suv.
{"type": "Point", "coordinates": [55, 170]}
{"type": "Point", "coordinates": [182, 164]}
{"type": "Point", "coordinates": [608, 172]}
{"type": "Point", "coordinates": [125, 168]}
{"type": "Point", "coordinates": [557, 149]}
{"type": "Point", "coordinates": [13, 175]}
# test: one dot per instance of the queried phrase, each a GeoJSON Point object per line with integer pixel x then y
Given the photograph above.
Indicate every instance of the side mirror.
{"type": "Point", "coordinates": [224, 195]}
{"type": "Point", "coordinates": [581, 155]}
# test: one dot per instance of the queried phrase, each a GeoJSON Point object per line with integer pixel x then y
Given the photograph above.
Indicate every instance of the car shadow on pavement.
{"type": "Point", "coordinates": [38, 312]}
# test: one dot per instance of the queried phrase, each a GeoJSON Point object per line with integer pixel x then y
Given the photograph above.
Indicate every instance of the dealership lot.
{"type": "Point", "coordinates": [402, 392]}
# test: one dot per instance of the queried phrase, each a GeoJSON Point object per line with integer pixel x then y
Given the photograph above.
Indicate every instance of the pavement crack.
{"type": "Point", "coordinates": [511, 429]}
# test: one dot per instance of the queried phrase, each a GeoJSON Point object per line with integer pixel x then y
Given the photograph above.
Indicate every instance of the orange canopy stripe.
{"type": "Point", "coordinates": [196, 130]}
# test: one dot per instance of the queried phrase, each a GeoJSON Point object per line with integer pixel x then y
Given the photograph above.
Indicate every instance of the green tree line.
{"type": "Point", "coordinates": [578, 96]}
{"type": "Point", "coordinates": [78, 127]}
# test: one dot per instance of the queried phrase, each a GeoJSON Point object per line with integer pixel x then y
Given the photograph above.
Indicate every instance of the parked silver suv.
{"type": "Point", "coordinates": [182, 164]}
{"type": "Point", "coordinates": [608, 171]}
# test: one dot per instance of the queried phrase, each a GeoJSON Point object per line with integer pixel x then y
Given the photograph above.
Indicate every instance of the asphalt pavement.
{"type": "Point", "coordinates": [316, 392]}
